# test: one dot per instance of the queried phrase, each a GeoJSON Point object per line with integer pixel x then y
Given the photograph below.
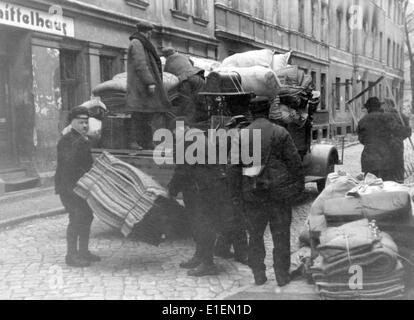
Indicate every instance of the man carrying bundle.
{"type": "Point", "coordinates": [74, 159]}
{"type": "Point", "coordinates": [191, 83]}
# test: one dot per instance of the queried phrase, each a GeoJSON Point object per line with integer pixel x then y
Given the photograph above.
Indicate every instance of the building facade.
{"type": "Point", "coordinates": [53, 52]}
{"type": "Point", "coordinates": [345, 45]}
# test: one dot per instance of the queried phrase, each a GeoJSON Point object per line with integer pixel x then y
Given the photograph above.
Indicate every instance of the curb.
{"type": "Point", "coordinates": [46, 214]}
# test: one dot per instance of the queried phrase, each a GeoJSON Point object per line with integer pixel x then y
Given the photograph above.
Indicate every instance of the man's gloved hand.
{"type": "Point", "coordinates": [151, 88]}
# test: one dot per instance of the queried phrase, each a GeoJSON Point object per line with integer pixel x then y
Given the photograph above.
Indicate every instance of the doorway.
{"type": "Point", "coordinates": [6, 149]}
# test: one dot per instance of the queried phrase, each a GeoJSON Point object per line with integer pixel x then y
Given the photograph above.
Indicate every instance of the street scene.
{"type": "Point", "coordinates": [206, 150]}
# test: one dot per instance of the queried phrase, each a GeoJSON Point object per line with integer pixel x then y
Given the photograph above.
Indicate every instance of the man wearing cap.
{"type": "Point", "coordinates": [376, 131]}
{"type": "Point", "coordinates": [74, 159]}
{"type": "Point", "coordinates": [146, 97]}
{"type": "Point", "coordinates": [192, 82]}
{"type": "Point", "coordinates": [265, 192]}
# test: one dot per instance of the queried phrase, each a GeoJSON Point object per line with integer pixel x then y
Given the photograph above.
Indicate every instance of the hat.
{"type": "Point", "coordinates": [168, 51]}
{"type": "Point", "coordinates": [373, 103]}
{"type": "Point", "coordinates": [144, 26]}
{"type": "Point", "coordinates": [235, 121]}
{"type": "Point", "coordinates": [79, 113]}
{"type": "Point", "coordinates": [259, 105]}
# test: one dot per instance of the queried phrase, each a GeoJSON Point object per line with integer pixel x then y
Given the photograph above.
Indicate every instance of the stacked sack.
{"type": "Point", "coordinates": [358, 247]}
{"type": "Point", "coordinates": [113, 92]}
{"type": "Point", "coordinates": [252, 71]}
{"type": "Point", "coordinates": [129, 200]}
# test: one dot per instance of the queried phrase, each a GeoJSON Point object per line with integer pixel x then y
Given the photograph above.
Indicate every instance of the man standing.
{"type": "Point", "coordinates": [192, 82]}
{"type": "Point", "coordinates": [146, 97]}
{"type": "Point", "coordinates": [74, 159]}
{"type": "Point", "coordinates": [397, 143]}
{"type": "Point", "coordinates": [281, 179]}
{"type": "Point", "coordinates": [376, 131]}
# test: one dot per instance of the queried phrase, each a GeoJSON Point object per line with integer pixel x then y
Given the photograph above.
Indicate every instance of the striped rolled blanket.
{"type": "Point", "coordinates": [119, 194]}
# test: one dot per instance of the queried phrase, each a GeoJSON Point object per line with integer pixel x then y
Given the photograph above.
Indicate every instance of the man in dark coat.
{"type": "Point", "coordinates": [146, 97]}
{"type": "Point", "coordinates": [281, 160]}
{"type": "Point", "coordinates": [376, 131]}
{"type": "Point", "coordinates": [397, 143]}
{"type": "Point", "coordinates": [74, 159]}
{"type": "Point", "coordinates": [192, 82]}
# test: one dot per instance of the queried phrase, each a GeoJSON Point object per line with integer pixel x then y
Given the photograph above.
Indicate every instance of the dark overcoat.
{"type": "Point", "coordinates": [74, 159]}
{"type": "Point", "coordinates": [377, 131]}
{"type": "Point", "coordinates": [144, 69]}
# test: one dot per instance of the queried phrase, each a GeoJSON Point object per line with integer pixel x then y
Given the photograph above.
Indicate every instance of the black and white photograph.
{"type": "Point", "coordinates": [225, 151]}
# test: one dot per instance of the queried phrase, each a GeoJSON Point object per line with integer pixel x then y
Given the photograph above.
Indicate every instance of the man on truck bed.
{"type": "Point", "coordinates": [146, 97]}
{"type": "Point", "coordinates": [192, 82]}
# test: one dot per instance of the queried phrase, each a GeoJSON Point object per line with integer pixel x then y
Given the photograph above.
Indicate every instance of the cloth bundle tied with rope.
{"type": "Point", "coordinates": [358, 244]}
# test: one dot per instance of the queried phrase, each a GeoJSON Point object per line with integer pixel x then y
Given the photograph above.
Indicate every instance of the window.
{"type": "Point", "coordinates": [301, 16]}
{"type": "Point", "coordinates": [107, 67]}
{"type": "Point", "coordinates": [381, 46]}
{"type": "Point", "coordinates": [315, 134]}
{"type": "Point", "coordinates": [393, 54]}
{"type": "Point", "coordinates": [314, 16]}
{"type": "Point", "coordinates": [347, 92]}
{"type": "Point", "coordinates": [380, 91]}
{"type": "Point", "coordinates": [371, 91]}
{"type": "Point", "coordinates": [339, 131]}
{"type": "Point", "coordinates": [200, 12]}
{"type": "Point", "coordinates": [324, 22]}
{"type": "Point", "coordinates": [69, 78]}
{"type": "Point", "coordinates": [363, 98]}
{"type": "Point", "coordinates": [325, 133]}
{"type": "Point", "coordinates": [234, 4]}
{"type": "Point", "coordinates": [338, 93]}
{"type": "Point", "coordinates": [348, 130]}
{"type": "Point", "coordinates": [142, 4]}
{"type": "Point", "coordinates": [388, 52]}
{"type": "Point", "coordinates": [389, 8]}
{"type": "Point", "coordinates": [323, 91]}
{"type": "Point", "coordinates": [259, 9]}
{"type": "Point", "coordinates": [180, 9]}
{"type": "Point", "coordinates": [313, 75]}
{"type": "Point", "coordinates": [338, 28]}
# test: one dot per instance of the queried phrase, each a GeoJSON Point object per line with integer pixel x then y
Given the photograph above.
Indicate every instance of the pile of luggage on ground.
{"type": "Point", "coordinates": [361, 234]}
{"type": "Point", "coordinates": [127, 199]}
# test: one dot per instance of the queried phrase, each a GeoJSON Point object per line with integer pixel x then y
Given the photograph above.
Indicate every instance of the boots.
{"type": "Point", "coordinates": [76, 261]}
{"type": "Point", "coordinates": [204, 270]}
{"type": "Point", "coordinates": [260, 277]}
{"type": "Point", "coordinates": [282, 278]}
{"type": "Point", "coordinates": [89, 256]}
{"type": "Point", "coordinates": [193, 263]}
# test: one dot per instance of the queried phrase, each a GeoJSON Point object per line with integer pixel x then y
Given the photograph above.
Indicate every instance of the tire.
{"type": "Point", "coordinates": [331, 168]}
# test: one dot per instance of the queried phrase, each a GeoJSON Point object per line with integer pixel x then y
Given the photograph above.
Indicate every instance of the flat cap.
{"type": "Point", "coordinates": [144, 26]}
{"type": "Point", "coordinates": [260, 104]}
{"type": "Point", "coordinates": [79, 113]}
{"type": "Point", "coordinates": [168, 51]}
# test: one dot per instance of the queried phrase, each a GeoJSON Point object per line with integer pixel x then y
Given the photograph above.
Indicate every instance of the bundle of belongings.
{"type": "Point", "coordinates": [252, 71]}
{"type": "Point", "coordinates": [345, 221]}
{"type": "Point", "coordinates": [113, 92]}
{"type": "Point", "coordinates": [129, 200]}
{"type": "Point", "coordinates": [357, 261]}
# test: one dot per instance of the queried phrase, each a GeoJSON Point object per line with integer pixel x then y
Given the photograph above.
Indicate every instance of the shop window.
{"type": "Point", "coordinates": [323, 91]}
{"type": "Point", "coordinates": [69, 78]}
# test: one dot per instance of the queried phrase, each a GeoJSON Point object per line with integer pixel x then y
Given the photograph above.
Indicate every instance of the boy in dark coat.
{"type": "Point", "coordinates": [146, 97]}
{"type": "Point", "coordinates": [74, 159]}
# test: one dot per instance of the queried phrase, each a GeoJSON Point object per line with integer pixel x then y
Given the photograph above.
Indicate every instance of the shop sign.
{"type": "Point", "coordinates": [52, 21]}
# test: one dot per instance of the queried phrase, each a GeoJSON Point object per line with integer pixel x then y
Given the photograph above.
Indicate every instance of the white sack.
{"type": "Point", "coordinates": [248, 59]}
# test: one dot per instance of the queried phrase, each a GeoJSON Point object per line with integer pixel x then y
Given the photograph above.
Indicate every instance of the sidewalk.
{"type": "Point", "coordinates": [19, 207]}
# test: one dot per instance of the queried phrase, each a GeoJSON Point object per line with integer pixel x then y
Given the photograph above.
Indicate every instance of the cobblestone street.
{"type": "Point", "coordinates": [32, 262]}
